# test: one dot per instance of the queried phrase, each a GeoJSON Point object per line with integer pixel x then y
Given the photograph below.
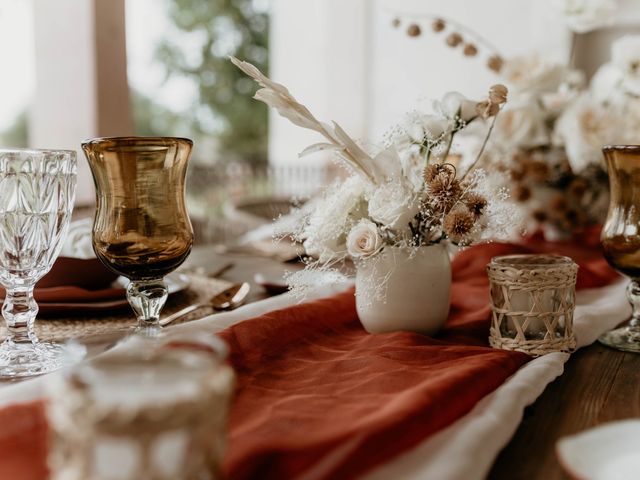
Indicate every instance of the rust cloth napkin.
{"type": "Point", "coordinates": [317, 394]}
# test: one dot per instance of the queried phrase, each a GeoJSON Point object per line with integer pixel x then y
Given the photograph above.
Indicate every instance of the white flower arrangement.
{"type": "Point", "coordinates": [608, 112]}
{"type": "Point", "coordinates": [582, 16]}
{"type": "Point", "coordinates": [405, 194]}
{"type": "Point", "coordinates": [548, 139]}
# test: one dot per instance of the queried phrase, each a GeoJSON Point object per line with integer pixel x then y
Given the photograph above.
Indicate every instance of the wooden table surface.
{"type": "Point", "coordinates": [599, 385]}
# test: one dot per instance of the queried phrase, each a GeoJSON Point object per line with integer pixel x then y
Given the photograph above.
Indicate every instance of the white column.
{"type": "Point", "coordinates": [318, 50]}
{"type": "Point", "coordinates": [81, 81]}
{"type": "Point", "coordinates": [406, 69]}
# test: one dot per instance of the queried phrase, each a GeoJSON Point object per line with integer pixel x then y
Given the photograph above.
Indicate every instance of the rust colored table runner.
{"type": "Point", "coordinates": [316, 393]}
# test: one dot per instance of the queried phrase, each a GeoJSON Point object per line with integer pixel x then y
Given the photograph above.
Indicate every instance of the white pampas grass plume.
{"type": "Point", "coordinates": [277, 96]}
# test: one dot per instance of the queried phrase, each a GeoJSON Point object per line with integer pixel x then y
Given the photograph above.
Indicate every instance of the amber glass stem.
{"type": "Point", "coordinates": [147, 297]}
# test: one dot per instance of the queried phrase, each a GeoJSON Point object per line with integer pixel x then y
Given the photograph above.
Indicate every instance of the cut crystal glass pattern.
{"type": "Point", "coordinates": [37, 190]}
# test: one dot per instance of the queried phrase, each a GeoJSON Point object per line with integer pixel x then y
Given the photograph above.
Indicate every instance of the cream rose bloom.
{"type": "Point", "coordinates": [533, 73]}
{"type": "Point", "coordinates": [521, 125]}
{"type": "Point", "coordinates": [364, 240]}
{"type": "Point", "coordinates": [583, 16]}
{"type": "Point", "coordinates": [625, 55]}
{"type": "Point", "coordinates": [394, 204]}
{"type": "Point", "coordinates": [585, 128]}
{"type": "Point", "coordinates": [454, 103]}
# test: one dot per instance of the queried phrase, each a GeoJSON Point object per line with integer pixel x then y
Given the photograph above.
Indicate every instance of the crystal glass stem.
{"type": "Point", "coordinates": [19, 311]}
{"type": "Point", "coordinates": [633, 294]}
{"type": "Point", "coordinates": [627, 337]}
{"type": "Point", "coordinates": [147, 297]}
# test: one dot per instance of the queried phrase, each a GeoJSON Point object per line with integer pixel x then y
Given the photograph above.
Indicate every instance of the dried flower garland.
{"type": "Point", "coordinates": [455, 35]}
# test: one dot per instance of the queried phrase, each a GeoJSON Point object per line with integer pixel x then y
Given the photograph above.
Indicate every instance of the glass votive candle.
{"type": "Point", "coordinates": [532, 301]}
{"type": "Point", "coordinates": [141, 413]}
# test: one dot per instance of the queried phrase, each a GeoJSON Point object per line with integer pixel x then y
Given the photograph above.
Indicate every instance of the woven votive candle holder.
{"type": "Point", "coordinates": [532, 300]}
{"type": "Point", "coordinates": [147, 414]}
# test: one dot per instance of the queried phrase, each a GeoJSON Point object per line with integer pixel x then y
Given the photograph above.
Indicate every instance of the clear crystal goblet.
{"type": "Point", "coordinates": [37, 191]}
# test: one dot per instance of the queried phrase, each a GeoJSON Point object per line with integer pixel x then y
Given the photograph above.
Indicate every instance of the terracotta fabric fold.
{"type": "Point", "coordinates": [313, 384]}
{"type": "Point", "coordinates": [316, 393]}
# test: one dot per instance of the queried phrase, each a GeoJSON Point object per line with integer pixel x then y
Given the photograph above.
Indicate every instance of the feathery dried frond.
{"type": "Point", "coordinates": [278, 96]}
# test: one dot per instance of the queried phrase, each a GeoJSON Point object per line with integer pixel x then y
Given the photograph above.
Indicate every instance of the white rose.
{"type": "Point", "coordinates": [534, 73]}
{"type": "Point", "coordinates": [605, 84]}
{"type": "Point", "coordinates": [454, 104]}
{"type": "Point", "coordinates": [585, 128]}
{"type": "Point", "coordinates": [364, 240]}
{"type": "Point", "coordinates": [625, 55]}
{"type": "Point", "coordinates": [521, 124]}
{"type": "Point", "coordinates": [394, 204]}
{"type": "Point", "coordinates": [421, 126]}
{"type": "Point", "coordinates": [583, 16]}
{"type": "Point", "coordinates": [413, 166]}
{"type": "Point", "coordinates": [388, 163]}
{"type": "Point", "coordinates": [434, 126]}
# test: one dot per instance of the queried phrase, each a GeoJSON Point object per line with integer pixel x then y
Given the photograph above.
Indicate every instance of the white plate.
{"type": "Point", "coordinates": [176, 282]}
{"type": "Point", "coordinates": [607, 452]}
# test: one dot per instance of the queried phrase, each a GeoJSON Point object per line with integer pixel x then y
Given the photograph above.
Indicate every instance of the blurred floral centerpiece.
{"type": "Point", "coordinates": [549, 137]}
{"type": "Point", "coordinates": [397, 207]}
{"type": "Point", "coordinates": [552, 137]}
{"type": "Point", "coordinates": [555, 188]}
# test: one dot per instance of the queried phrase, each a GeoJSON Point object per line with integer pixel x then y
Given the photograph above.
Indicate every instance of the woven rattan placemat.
{"type": "Point", "coordinates": [200, 289]}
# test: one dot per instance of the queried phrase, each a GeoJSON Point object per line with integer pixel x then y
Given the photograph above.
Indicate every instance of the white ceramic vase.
{"type": "Point", "coordinates": [404, 289]}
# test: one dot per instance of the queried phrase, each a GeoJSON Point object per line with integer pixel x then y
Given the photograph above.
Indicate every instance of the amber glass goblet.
{"type": "Point", "coordinates": [141, 229]}
{"type": "Point", "coordinates": [621, 236]}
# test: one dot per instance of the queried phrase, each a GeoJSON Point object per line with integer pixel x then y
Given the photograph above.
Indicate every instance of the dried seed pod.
{"type": "Point", "coordinates": [457, 224]}
{"type": "Point", "coordinates": [516, 174]}
{"type": "Point", "coordinates": [578, 187]}
{"type": "Point", "coordinates": [539, 215]}
{"type": "Point", "coordinates": [538, 171]}
{"type": "Point", "coordinates": [470, 50]}
{"type": "Point", "coordinates": [438, 25]}
{"type": "Point", "coordinates": [498, 94]}
{"type": "Point", "coordinates": [521, 193]}
{"type": "Point", "coordinates": [454, 39]}
{"type": "Point", "coordinates": [487, 109]}
{"type": "Point", "coordinates": [558, 204]}
{"type": "Point", "coordinates": [495, 63]}
{"type": "Point", "coordinates": [476, 203]}
{"type": "Point", "coordinates": [414, 30]}
{"type": "Point", "coordinates": [431, 172]}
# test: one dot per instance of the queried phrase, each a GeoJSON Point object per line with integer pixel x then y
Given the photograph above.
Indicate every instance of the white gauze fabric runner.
{"type": "Point", "coordinates": [467, 448]}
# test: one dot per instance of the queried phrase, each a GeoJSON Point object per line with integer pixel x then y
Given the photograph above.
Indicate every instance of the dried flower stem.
{"type": "Point", "coordinates": [484, 145]}
{"type": "Point", "coordinates": [572, 51]}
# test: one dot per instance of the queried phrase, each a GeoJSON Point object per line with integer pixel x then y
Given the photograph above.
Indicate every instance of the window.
{"type": "Point", "coordinates": [17, 82]}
